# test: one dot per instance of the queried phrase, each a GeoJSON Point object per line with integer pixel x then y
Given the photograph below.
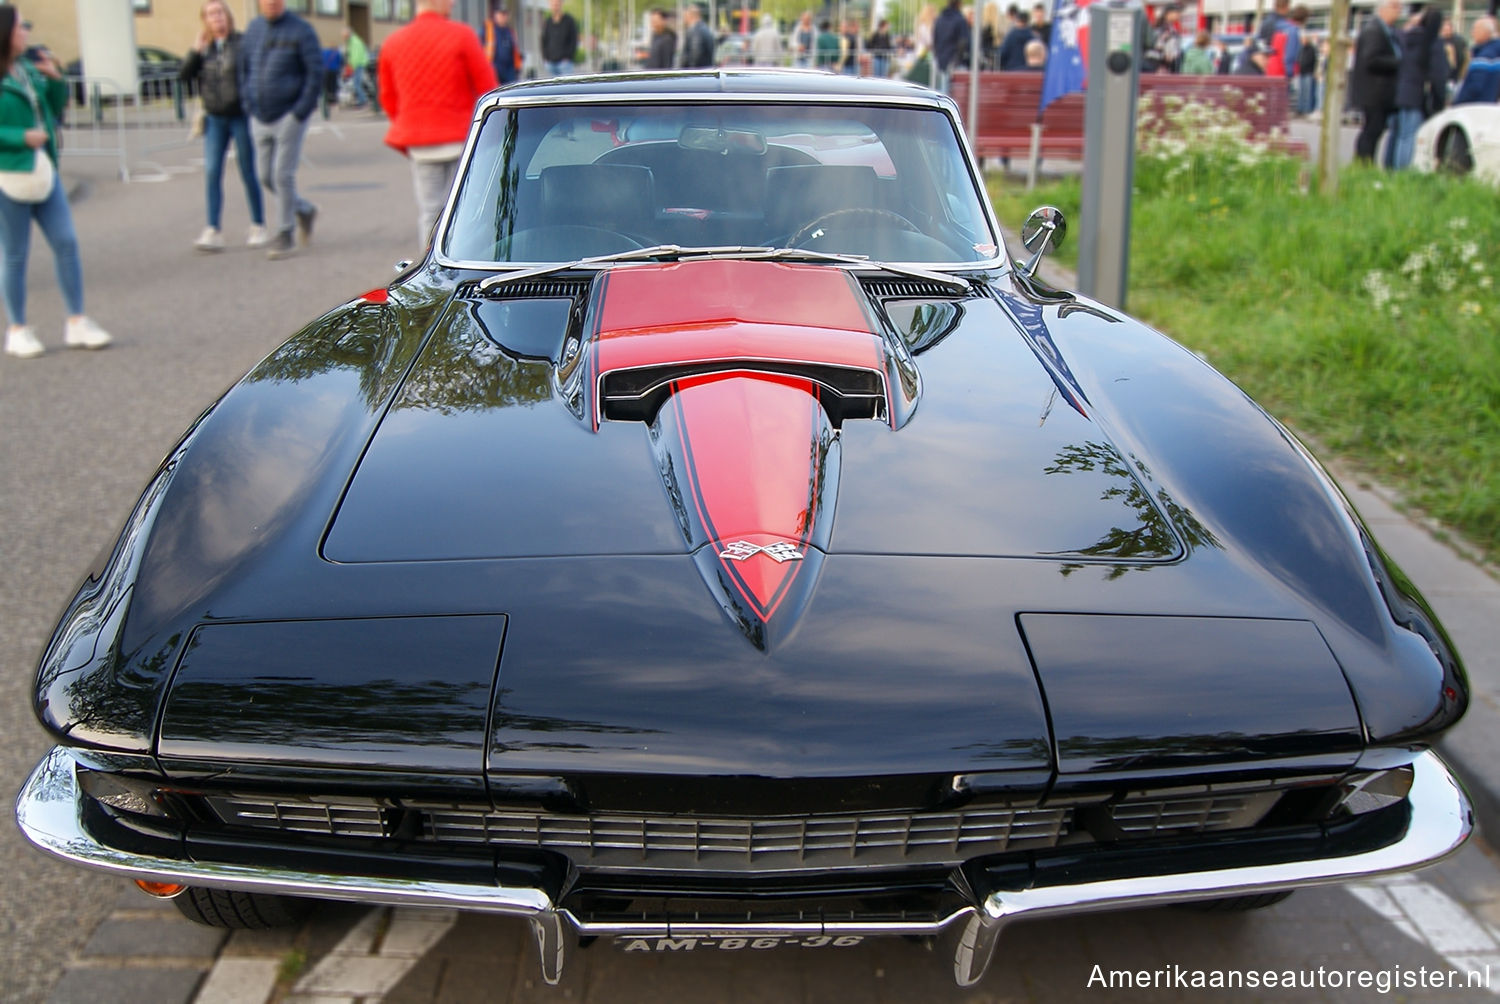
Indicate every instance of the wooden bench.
{"type": "Point", "coordinates": [1008, 104]}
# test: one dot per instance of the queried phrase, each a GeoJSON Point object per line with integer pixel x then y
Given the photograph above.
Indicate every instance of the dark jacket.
{"type": "Point", "coordinates": [217, 75]}
{"type": "Point", "coordinates": [1482, 82]}
{"type": "Point", "coordinates": [663, 50]}
{"type": "Point", "coordinates": [559, 39]}
{"type": "Point", "coordinates": [1376, 59]}
{"type": "Point", "coordinates": [1013, 48]}
{"type": "Point", "coordinates": [280, 68]}
{"type": "Point", "coordinates": [17, 115]}
{"type": "Point", "coordinates": [1422, 78]}
{"type": "Point", "coordinates": [950, 38]}
{"type": "Point", "coordinates": [698, 46]}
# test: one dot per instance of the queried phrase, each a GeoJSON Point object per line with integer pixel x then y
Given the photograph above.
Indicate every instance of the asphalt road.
{"type": "Point", "coordinates": [80, 433]}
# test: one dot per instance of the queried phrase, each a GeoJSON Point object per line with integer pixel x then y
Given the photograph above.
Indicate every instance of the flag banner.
{"type": "Point", "coordinates": [1066, 70]}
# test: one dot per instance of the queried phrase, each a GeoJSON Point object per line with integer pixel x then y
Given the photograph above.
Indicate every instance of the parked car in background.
{"type": "Point", "coordinates": [158, 72]}
{"type": "Point", "coordinates": [721, 539]}
{"type": "Point", "coordinates": [1462, 139]}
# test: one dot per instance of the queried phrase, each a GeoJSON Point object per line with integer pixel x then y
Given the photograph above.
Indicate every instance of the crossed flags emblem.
{"type": "Point", "coordinates": [778, 552]}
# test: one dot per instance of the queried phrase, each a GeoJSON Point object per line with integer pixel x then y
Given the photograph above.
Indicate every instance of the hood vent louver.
{"type": "Point", "coordinates": [540, 289]}
{"type": "Point", "coordinates": [906, 289]}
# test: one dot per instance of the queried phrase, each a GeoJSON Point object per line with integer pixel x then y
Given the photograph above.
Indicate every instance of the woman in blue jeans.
{"type": "Point", "coordinates": [212, 64]}
{"type": "Point", "coordinates": [31, 95]}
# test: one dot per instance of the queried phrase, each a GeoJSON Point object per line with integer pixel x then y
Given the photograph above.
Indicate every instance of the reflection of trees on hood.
{"type": "Point", "coordinates": [1152, 539]}
{"type": "Point", "coordinates": [459, 370]}
{"type": "Point", "coordinates": [366, 339]}
{"type": "Point", "coordinates": [462, 370]}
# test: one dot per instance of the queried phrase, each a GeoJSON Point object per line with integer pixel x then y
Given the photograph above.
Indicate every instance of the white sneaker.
{"type": "Point", "coordinates": [258, 237]}
{"type": "Point", "coordinates": [22, 343]}
{"type": "Point", "coordinates": [83, 333]}
{"type": "Point", "coordinates": [210, 240]}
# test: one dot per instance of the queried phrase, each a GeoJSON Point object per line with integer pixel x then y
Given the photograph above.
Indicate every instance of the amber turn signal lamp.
{"type": "Point", "coordinates": [161, 890]}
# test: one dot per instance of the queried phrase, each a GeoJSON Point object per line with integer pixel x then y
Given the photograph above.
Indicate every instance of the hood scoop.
{"type": "Point", "coordinates": [744, 372]}
{"type": "Point", "coordinates": [750, 465]}
{"type": "Point", "coordinates": [651, 326]}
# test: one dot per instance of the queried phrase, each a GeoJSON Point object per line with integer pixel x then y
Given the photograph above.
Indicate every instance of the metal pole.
{"type": "Point", "coordinates": [973, 113]}
{"type": "Point", "coordinates": [1116, 38]}
{"type": "Point", "coordinates": [1334, 78]}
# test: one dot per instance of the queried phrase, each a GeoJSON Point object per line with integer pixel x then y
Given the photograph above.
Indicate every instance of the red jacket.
{"type": "Point", "coordinates": [431, 74]}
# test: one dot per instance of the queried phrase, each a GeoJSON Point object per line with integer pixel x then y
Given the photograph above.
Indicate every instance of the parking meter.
{"type": "Point", "coordinates": [1116, 40]}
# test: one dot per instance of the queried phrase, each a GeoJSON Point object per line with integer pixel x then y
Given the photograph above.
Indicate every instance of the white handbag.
{"type": "Point", "coordinates": [30, 186]}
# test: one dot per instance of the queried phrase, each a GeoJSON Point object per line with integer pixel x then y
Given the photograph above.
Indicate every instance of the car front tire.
{"type": "Point", "coordinates": [241, 911]}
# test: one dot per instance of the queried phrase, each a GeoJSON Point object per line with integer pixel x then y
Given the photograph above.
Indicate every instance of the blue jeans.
{"type": "Point", "coordinates": [56, 221]}
{"type": "Point", "coordinates": [361, 85]}
{"type": "Point", "coordinates": [1401, 146]}
{"type": "Point", "coordinates": [217, 131]}
{"type": "Point", "coordinates": [561, 68]}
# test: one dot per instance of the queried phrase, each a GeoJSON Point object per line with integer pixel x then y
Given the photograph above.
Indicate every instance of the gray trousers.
{"type": "Point", "coordinates": [278, 149]}
{"type": "Point", "coordinates": [432, 180]}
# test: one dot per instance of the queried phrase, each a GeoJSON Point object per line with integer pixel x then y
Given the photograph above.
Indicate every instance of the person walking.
{"type": "Point", "coordinates": [213, 63]}
{"type": "Point", "coordinates": [950, 44]}
{"type": "Point", "coordinates": [880, 48]}
{"type": "Point", "coordinates": [804, 40]}
{"type": "Point", "coordinates": [431, 73]}
{"type": "Point", "coordinates": [663, 52]}
{"type": "Point", "coordinates": [279, 78]}
{"type": "Point", "coordinates": [501, 45]}
{"type": "Point", "coordinates": [697, 38]}
{"type": "Point", "coordinates": [1421, 86]}
{"type": "Point", "coordinates": [1377, 57]}
{"type": "Point", "coordinates": [1482, 81]}
{"type": "Point", "coordinates": [31, 98]}
{"type": "Point", "coordinates": [357, 59]}
{"type": "Point", "coordinates": [765, 44]}
{"type": "Point", "coordinates": [559, 41]}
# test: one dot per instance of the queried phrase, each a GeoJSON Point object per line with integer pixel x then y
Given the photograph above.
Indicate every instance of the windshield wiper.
{"type": "Point", "coordinates": [657, 252]}
{"type": "Point", "coordinates": [676, 252]}
{"type": "Point", "coordinates": [951, 282]}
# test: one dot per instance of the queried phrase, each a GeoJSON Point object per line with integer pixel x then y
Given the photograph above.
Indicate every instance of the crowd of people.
{"type": "Point", "coordinates": [259, 89]}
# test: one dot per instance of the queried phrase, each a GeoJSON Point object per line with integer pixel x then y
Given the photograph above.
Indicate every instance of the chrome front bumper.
{"type": "Point", "coordinates": [49, 811]}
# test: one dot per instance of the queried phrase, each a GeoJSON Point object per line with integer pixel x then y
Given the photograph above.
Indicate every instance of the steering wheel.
{"type": "Point", "coordinates": [841, 217]}
{"type": "Point", "coordinates": [563, 242]}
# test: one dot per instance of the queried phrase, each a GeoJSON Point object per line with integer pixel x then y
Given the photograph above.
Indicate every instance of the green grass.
{"type": "Point", "coordinates": [1272, 284]}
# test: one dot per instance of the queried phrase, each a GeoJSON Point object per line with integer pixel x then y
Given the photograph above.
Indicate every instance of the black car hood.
{"type": "Point", "coordinates": [506, 470]}
{"type": "Point", "coordinates": [438, 466]}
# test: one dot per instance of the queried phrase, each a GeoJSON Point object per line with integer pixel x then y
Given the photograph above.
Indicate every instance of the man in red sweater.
{"type": "Point", "coordinates": [431, 73]}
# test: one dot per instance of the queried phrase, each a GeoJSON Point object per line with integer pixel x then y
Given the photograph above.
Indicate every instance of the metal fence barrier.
{"type": "Point", "coordinates": [103, 119]}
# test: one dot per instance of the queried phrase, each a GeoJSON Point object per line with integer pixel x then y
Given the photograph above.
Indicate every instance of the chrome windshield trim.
{"type": "Point", "coordinates": [505, 98]}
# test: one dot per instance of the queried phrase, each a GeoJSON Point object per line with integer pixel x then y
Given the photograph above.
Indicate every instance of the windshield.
{"type": "Point", "coordinates": [559, 183]}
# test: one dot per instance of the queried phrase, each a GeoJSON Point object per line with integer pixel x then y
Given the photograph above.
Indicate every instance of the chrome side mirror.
{"type": "Point", "coordinates": [1043, 231]}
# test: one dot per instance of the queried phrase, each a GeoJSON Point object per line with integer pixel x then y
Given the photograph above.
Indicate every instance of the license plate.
{"type": "Point", "coordinates": [735, 943]}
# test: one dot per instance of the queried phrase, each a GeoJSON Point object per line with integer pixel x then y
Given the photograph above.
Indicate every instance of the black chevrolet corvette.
{"type": "Point", "coordinates": [719, 539]}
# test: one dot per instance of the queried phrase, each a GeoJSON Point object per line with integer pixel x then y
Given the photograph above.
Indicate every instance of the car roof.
{"type": "Point", "coordinates": [693, 83]}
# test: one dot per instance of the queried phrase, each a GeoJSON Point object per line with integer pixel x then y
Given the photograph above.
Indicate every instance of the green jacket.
{"type": "Point", "coordinates": [355, 53]}
{"type": "Point", "coordinates": [16, 116]}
